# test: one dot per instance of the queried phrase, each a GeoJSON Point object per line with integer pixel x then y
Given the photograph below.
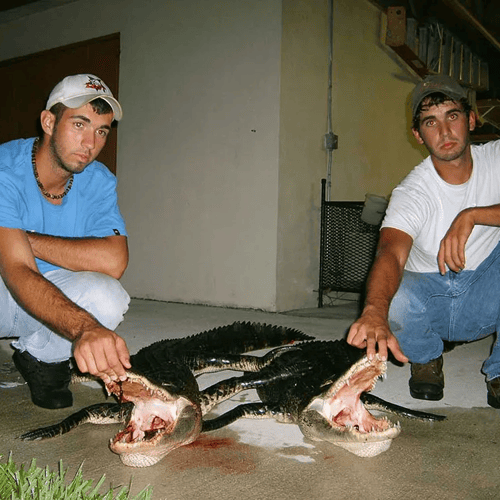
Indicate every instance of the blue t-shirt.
{"type": "Point", "coordinates": [90, 209]}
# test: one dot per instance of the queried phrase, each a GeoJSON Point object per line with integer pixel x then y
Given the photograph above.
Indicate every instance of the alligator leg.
{"type": "Point", "coordinates": [375, 403]}
{"type": "Point", "coordinates": [100, 413]}
{"type": "Point", "coordinates": [248, 410]}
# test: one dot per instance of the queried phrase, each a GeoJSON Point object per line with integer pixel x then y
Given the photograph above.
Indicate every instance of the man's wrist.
{"type": "Point", "coordinates": [374, 310]}
{"type": "Point", "coordinates": [86, 324]}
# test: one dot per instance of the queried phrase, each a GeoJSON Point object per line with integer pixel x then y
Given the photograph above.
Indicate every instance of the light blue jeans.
{"type": "Point", "coordinates": [99, 294]}
{"type": "Point", "coordinates": [429, 308]}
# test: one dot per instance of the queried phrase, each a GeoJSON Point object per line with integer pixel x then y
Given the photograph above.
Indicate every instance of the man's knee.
{"type": "Point", "coordinates": [102, 296]}
{"type": "Point", "coordinates": [409, 303]}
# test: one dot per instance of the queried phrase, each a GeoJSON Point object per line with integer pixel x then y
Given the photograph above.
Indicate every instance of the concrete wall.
{"type": "Point", "coordinates": [220, 152]}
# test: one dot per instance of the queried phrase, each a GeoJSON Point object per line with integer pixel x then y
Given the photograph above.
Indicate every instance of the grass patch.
{"type": "Point", "coordinates": [34, 483]}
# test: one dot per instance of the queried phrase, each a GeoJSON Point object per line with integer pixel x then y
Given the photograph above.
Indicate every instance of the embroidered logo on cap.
{"type": "Point", "coordinates": [96, 84]}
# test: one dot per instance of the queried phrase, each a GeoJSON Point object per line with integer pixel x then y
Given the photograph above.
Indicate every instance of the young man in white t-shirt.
{"type": "Point", "coordinates": [436, 276]}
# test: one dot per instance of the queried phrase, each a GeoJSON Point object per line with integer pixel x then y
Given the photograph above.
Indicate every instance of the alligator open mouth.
{"type": "Point", "coordinates": [159, 422]}
{"type": "Point", "coordinates": [340, 417]}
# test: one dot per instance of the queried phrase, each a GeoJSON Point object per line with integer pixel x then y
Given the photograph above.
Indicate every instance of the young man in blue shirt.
{"type": "Point", "coordinates": [63, 245]}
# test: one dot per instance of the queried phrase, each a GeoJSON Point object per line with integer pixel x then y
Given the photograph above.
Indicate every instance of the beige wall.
{"type": "Point", "coordinates": [302, 158]}
{"type": "Point", "coordinates": [220, 152]}
{"type": "Point", "coordinates": [199, 165]}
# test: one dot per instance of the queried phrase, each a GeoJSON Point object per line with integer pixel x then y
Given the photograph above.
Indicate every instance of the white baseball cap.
{"type": "Point", "coordinates": [77, 90]}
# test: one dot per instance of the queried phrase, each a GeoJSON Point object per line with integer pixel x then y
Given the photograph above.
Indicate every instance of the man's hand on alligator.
{"type": "Point", "coordinates": [102, 353]}
{"type": "Point", "coordinates": [372, 332]}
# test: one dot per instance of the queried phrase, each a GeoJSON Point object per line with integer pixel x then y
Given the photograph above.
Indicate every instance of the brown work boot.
{"type": "Point", "coordinates": [427, 380]}
{"type": "Point", "coordinates": [494, 392]}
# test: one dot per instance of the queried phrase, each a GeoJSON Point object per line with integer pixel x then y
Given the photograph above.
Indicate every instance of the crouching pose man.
{"type": "Point", "coordinates": [436, 275]}
{"type": "Point", "coordinates": [63, 245]}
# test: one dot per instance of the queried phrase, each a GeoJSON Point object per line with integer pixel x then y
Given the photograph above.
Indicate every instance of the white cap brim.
{"type": "Point", "coordinates": [79, 101]}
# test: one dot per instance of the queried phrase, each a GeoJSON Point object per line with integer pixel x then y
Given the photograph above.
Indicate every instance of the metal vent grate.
{"type": "Point", "coordinates": [347, 247]}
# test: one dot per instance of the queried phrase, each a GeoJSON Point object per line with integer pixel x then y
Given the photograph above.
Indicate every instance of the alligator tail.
{"type": "Point", "coordinates": [227, 388]}
{"type": "Point", "coordinates": [248, 410]}
{"type": "Point", "coordinates": [208, 362]}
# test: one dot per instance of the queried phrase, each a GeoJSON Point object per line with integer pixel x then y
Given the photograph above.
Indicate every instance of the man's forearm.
{"type": "Point", "coordinates": [371, 329]}
{"type": "Point", "coordinates": [387, 270]}
{"type": "Point", "coordinates": [485, 216]}
{"type": "Point", "coordinates": [383, 282]}
{"type": "Point", "coordinates": [107, 255]}
{"type": "Point", "coordinates": [45, 302]}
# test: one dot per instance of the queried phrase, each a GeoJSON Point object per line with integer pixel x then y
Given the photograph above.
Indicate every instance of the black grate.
{"type": "Point", "coordinates": [347, 246]}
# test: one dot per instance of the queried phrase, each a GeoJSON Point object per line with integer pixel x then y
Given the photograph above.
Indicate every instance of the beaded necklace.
{"type": "Point", "coordinates": [40, 185]}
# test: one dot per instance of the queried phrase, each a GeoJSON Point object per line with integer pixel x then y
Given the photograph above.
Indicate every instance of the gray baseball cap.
{"type": "Point", "coordinates": [436, 83]}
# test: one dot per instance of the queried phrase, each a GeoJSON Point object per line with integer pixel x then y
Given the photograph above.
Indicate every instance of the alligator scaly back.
{"type": "Point", "coordinates": [235, 338]}
{"type": "Point", "coordinates": [219, 348]}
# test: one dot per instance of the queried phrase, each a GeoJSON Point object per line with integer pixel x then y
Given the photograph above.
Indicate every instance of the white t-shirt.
{"type": "Point", "coordinates": [424, 206]}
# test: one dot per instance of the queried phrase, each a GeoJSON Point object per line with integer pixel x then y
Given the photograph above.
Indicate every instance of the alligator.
{"type": "Point", "coordinates": [319, 385]}
{"type": "Point", "coordinates": [329, 403]}
{"type": "Point", "coordinates": [160, 403]}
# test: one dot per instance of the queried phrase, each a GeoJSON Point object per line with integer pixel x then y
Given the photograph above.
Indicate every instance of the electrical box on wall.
{"type": "Point", "coordinates": [331, 141]}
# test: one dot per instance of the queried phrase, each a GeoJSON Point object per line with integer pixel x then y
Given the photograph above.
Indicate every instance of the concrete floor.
{"type": "Point", "coordinates": [265, 459]}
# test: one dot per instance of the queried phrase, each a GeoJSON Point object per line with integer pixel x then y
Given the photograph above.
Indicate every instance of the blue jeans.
{"type": "Point", "coordinates": [429, 308]}
{"type": "Point", "coordinates": [99, 294]}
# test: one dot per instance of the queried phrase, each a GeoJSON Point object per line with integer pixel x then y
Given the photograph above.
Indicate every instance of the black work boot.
{"type": "Point", "coordinates": [48, 382]}
{"type": "Point", "coordinates": [493, 387]}
{"type": "Point", "coordinates": [427, 380]}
